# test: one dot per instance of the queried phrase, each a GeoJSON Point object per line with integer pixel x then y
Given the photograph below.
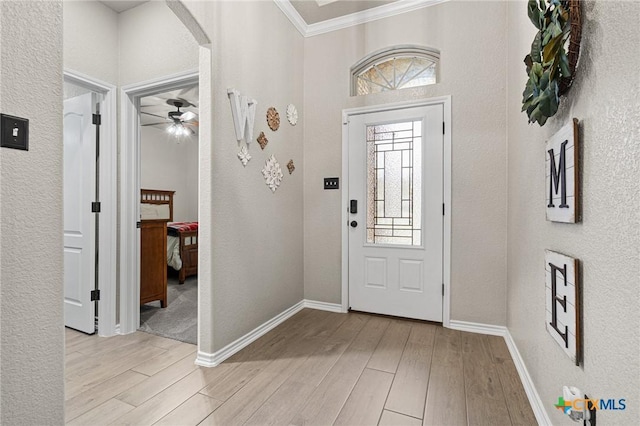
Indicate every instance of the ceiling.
{"type": "Point", "coordinates": [157, 105]}
{"type": "Point", "coordinates": [121, 5]}
{"type": "Point", "coordinates": [322, 10]}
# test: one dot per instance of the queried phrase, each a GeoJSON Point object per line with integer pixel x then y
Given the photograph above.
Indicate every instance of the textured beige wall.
{"type": "Point", "coordinates": [605, 99]}
{"type": "Point", "coordinates": [153, 43]}
{"type": "Point", "coordinates": [257, 235]}
{"type": "Point", "coordinates": [91, 39]}
{"type": "Point", "coordinates": [31, 370]}
{"type": "Point", "coordinates": [470, 36]}
{"type": "Point", "coordinates": [166, 164]}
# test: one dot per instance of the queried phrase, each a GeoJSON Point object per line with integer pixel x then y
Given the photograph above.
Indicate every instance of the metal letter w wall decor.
{"type": "Point", "coordinates": [243, 110]}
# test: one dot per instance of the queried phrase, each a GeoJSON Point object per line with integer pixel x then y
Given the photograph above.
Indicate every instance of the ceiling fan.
{"type": "Point", "coordinates": [179, 123]}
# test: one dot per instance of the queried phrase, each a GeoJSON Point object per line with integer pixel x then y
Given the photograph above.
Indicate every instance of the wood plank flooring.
{"type": "Point", "coordinates": [317, 368]}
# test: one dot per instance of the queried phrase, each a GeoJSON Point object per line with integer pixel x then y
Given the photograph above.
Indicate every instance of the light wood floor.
{"type": "Point", "coordinates": [317, 368]}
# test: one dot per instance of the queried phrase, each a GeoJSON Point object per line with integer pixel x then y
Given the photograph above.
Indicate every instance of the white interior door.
{"type": "Point", "coordinates": [396, 229]}
{"type": "Point", "coordinates": [79, 221]}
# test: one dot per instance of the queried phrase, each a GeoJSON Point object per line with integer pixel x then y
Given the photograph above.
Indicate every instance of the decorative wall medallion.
{"type": "Point", "coordinates": [272, 173]}
{"type": "Point", "coordinates": [563, 175]}
{"type": "Point", "coordinates": [244, 155]}
{"type": "Point", "coordinates": [262, 140]}
{"type": "Point", "coordinates": [563, 302]}
{"type": "Point", "coordinates": [290, 166]}
{"type": "Point", "coordinates": [273, 119]}
{"type": "Point", "coordinates": [292, 114]}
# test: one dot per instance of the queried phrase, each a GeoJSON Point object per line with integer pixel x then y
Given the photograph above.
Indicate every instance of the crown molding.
{"type": "Point", "coordinates": [290, 12]}
{"type": "Point", "coordinates": [380, 12]}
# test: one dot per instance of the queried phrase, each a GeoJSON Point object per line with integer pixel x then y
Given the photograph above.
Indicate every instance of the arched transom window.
{"type": "Point", "coordinates": [395, 68]}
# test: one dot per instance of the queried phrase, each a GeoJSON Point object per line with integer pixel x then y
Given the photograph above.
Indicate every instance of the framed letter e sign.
{"type": "Point", "coordinates": [563, 175]}
{"type": "Point", "coordinates": [563, 303]}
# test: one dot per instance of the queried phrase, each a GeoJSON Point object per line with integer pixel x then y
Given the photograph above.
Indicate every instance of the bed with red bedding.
{"type": "Point", "coordinates": [185, 235]}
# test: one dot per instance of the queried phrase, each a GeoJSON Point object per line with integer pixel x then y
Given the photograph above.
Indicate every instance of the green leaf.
{"type": "Point", "coordinates": [547, 36]}
{"type": "Point", "coordinates": [536, 48]}
{"type": "Point", "coordinates": [564, 65]}
{"type": "Point", "coordinates": [550, 49]}
{"type": "Point", "coordinates": [534, 13]}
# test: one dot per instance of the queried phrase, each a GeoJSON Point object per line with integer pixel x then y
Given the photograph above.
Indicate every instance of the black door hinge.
{"type": "Point", "coordinates": [95, 295]}
{"type": "Point", "coordinates": [95, 207]}
{"type": "Point", "coordinates": [443, 289]}
{"type": "Point", "coordinates": [138, 225]}
{"type": "Point", "coordinates": [97, 119]}
{"type": "Point", "coordinates": [443, 209]}
{"type": "Point", "coordinates": [443, 128]}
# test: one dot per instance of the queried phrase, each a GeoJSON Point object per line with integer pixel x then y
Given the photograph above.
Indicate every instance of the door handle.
{"type": "Point", "coordinates": [353, 208]}
{"type": "Point", "coordinates": [353, 224]}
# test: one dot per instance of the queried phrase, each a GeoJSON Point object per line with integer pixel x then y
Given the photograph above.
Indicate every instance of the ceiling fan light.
{"type": "Point", "coordinates": [172, 129]}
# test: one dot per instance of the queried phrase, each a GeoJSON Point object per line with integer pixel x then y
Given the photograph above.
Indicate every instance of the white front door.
{"type": "Point", "coordinates": [396, 212]}
{"type": "Point", "coordinates": [79, 221]}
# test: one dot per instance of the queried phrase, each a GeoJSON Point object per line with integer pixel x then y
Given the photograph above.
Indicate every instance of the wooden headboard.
{"type": "Point", "coordinates": [159, 198]}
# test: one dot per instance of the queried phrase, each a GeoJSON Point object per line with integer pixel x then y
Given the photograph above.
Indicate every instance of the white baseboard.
{"type": "Point", "coordinates": [474, 327]}
{"type": "Point", "coordinates": [322, 306]}
{"type": "Point", "coordinates": [206, 359]}
{"type": "Point", "coordinates": [534, 398]}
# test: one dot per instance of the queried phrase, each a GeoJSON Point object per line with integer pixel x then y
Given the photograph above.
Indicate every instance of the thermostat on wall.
{"type": "Point", "coordinates": [14, 132]}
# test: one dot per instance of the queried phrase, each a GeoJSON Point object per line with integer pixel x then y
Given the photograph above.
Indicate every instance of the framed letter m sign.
{"type": "Point", "coordinates": [563, 302]}
{"type": "Point", "coordinates": [562, 175]}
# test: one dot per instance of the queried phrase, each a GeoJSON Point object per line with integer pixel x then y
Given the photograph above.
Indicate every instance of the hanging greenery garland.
{"type": "Point", "coordinates": [554, 55]}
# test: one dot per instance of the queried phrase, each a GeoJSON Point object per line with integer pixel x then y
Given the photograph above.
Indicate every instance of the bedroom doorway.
{"type": "Point", "coordinates": [169, 213]}
{"type": "Point", "coordinates": [145, 214]}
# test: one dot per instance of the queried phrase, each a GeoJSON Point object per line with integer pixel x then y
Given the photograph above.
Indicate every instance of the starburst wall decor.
{"type": "Point", "coordinates": [272, 173]}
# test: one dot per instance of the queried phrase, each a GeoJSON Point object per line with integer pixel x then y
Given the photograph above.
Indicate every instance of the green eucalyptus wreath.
{"type": "Point", "coordinates": [548, 62]}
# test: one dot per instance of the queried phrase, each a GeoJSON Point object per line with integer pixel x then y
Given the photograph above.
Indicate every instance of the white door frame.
{"type": "Point", "coordinates": [108, 198]}
{"type": "Point", "coordinates": [130, 190]}
{"type": "Point", "coordinates": [445, 101]}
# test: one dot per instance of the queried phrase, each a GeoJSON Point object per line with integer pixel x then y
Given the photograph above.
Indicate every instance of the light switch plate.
{"type": "Point", "coordinates": [14, 132]}
{"type": "Point", "coordinates": [331, 183]}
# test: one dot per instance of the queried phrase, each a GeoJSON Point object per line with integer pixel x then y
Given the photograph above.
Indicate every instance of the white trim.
{"type": "Point", "coordinates": [345, 211]}
{"type": "Point", "coordinates": [527, 382]}
{"type": "Point", "coordinates": [324, 306]}
{"type": "Point", "coordinates": [445, 101]}
{"type": "Point", "coordinates": [213, 359]}
{"type": "Point", "coordinates": [446, 240]}
{"type": "Point", "coordinates": [130, 190]}
{"type": "Point", "coordinates": [373, 14]}
{"type": "Point", "coordinates": [108, 197]}
{"type": "Point", "coordinates": [474, 327]}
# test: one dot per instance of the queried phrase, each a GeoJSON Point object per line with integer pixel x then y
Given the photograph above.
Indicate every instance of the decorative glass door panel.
{"type": "Point", "coordinates": [394, 183]}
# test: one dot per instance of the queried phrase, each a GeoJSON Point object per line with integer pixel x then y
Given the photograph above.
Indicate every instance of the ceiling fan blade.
{"type": "Point", "coordinates": [188, 116]}
{"type": "Point", "coordinates": [154, 124]}
{"type": "Point", "coordinates": [155, 115]}
{"type": "Point", "coordinates": [190, 123]}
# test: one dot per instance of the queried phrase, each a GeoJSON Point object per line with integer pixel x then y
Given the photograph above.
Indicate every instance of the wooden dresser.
{"type": "Point", "coordinates": [153, 262]}
{"type": "Point", "coordinates": [156, 211]}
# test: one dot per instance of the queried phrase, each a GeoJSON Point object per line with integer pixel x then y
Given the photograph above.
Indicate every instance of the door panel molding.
{"type": "Point", "coordinates": [445, 101]}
